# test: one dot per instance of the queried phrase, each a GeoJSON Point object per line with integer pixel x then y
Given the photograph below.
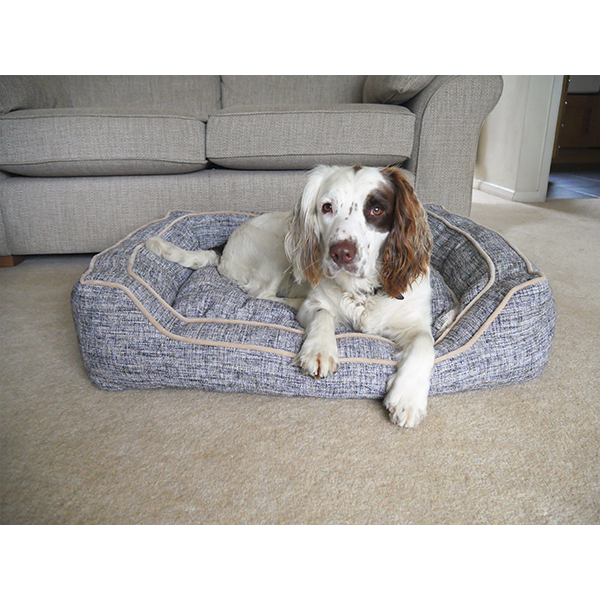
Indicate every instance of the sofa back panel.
{"type": "Point", "coordinates": [239, 90]}
{"type": "Point", "coordinates": [195, 95]}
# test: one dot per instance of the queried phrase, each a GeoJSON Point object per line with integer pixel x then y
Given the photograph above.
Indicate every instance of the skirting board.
{"type": "Point", "coordinates": [508, 194]}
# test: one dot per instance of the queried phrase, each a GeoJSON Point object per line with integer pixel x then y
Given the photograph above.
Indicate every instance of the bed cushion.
{"type": "Point", "coordinates": [144, 322]}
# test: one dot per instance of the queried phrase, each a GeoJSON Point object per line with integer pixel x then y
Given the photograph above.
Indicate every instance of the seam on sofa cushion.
{"type": "Point", "coordinates": [19, 117]}
{"type": "Point", "coordinates": [328, 111]}
{"type": "Point", "coordinates": [101, 160]}
{"type": "Point", "coordinates": [297, 154]}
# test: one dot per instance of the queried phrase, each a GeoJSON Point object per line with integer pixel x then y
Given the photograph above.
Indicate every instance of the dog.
{"type": "Point", "coordinates": [354, 249]}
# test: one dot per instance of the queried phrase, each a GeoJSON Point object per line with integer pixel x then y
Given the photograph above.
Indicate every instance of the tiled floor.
{"type": "Point", "coordinates": [574, 181]}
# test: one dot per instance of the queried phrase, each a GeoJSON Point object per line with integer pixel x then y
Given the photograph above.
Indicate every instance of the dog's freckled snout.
{"type": "Point", "coordinates": [343, 253]}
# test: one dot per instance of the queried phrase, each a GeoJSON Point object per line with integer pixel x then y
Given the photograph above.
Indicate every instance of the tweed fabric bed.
{"type": "Point", "coordinates": [143, 322]}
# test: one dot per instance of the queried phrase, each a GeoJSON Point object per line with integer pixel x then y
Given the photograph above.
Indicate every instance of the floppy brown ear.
{"type": "Point", "coordinates": [302, 246]}
{"type": "Point", "coordinates": [302, 240]}
{"type": "Point", "coordinates": [409, 243]}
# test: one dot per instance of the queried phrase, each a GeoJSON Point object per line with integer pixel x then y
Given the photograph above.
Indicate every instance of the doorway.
{"type": "Point", "coordinates": [575, 167]}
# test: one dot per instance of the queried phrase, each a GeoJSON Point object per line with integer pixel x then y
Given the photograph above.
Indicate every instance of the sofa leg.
{"type": "Point", "coordinates": [10, 261]}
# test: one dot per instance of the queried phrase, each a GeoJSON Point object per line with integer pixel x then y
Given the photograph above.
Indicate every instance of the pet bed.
{"type": "Point", "coordinates": [144, 322]}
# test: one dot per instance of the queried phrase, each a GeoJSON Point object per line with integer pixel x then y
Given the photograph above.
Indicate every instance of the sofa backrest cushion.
{"type": "Point", "coordinates": [243, 90]}
{"type": "Point", "coordinates": [22, 92]}
{"type": "Point", "coordinates": [193, 95]}
{"type": "Point", "coordinates": [394, 89]}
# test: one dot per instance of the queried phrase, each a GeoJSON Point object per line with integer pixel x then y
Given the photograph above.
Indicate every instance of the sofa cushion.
{"type": "Point", "coordinates": [193, 95]}
{"type": "Point", "coordinates": [299, 137]}
{"type": "Point", "coordinates": [19, 92]}
{"type": "Point", "coordinates": [394, 89]}
{"type": "Point", "coordinates": [74, 142]}
{"type": "Point", "coordinates": [244, 90]}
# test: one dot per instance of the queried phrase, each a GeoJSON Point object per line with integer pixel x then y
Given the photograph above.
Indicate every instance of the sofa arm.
{"type": "Point", "coordinates": [19, 92]}
{"type": "Point", "coordinates": [450, 112]}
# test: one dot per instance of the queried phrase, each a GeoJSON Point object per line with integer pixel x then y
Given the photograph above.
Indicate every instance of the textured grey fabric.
{"type": "Point", "coordinates": [103, 210]}
{"type": "Point", "coordinates": [4, 248]}
{"type": "Point", "coordinates": [20, 92]}
{"type": "Point", "coordinates": [240, 90]}
{"type": "Point", "coordinates": [254, 191]}
{"type": "Point", "coordinates": [450, 112]}
{"type": "Point", "coordinates": [300, 137]}
{"type": "Point", "coordinates": [81, 142]}
{"type": "Point", "coordinates": [192, 95]}
{"type": "Point", "coordinates": [145, 322]}
{"type": "Point", "coordinates": [394, 89]}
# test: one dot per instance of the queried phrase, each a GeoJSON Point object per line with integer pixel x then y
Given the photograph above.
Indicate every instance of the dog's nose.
{"type": "Point", "coordinates": [343, 253]}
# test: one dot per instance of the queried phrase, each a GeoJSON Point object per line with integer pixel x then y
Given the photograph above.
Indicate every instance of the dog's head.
{"type": "Point", "coordinates": [364, 221]}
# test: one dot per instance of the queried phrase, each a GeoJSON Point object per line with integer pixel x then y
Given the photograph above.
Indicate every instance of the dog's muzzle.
{"type": "Point", "coordinates": [343, 253]}
{"type": "Point", "coordinates": [345, 257]}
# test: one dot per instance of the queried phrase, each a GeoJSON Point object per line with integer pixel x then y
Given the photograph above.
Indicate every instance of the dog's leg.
{"type": "Point", "coordinates": [318, 356]}
{"type": "Point", "coordinates": [408, 388]}
{"type": "Point", "coordinates": [186, 258]}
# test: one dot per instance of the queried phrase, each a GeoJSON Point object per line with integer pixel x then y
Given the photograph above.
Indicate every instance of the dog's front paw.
{"type": "Point", "coordinates": [406, 416]}
{"type": "Point", "coordinates": [318, 362]}
{"type": "Point", "coordinates": [407, 404]}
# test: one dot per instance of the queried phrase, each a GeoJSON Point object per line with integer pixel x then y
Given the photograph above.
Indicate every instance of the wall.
{"type": "Point", "coordinates": [516, 142]}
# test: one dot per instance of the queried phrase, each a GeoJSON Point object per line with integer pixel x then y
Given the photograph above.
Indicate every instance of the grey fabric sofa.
{"type": "Point", "coordinates": [84, 160]}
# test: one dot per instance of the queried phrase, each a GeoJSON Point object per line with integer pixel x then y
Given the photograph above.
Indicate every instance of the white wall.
{"type": "Point", "coordinates": [516, 142]}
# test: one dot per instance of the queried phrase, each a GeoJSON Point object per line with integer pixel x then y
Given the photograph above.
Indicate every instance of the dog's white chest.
{"type": "Point", "coordinates": [357, 308]}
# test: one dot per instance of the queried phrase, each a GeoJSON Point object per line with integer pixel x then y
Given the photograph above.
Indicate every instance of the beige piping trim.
{"type": "Point", "coordinates": [490, 320]}
{"type": "Point", "coordinates": [540, 277]}
{"type": "Point", "coordinates": [491, 280]}
{"type": "Point", "coordinates": [169, 334]}
{"type": "Point", "coordinates": [185, 319]}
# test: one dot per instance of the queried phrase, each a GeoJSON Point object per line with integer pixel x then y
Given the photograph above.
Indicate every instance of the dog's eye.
{"type": "Point", "coordinates": [327, 207]}
{"type": "Point", "coordinates": [376, 210]}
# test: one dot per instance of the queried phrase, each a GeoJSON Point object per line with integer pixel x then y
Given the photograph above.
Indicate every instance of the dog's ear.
{"type": "Point", "coordinates": [408, 248]}
{"type": "Point", "coordinates": [303, 238]}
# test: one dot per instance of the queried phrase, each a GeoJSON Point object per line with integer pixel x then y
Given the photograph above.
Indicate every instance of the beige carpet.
{"type": "Point", "coordinates": [524, 454]}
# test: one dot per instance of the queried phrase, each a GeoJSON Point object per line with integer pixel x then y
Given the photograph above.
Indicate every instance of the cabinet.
{"type": "Point", "coordinates": [578, 127]}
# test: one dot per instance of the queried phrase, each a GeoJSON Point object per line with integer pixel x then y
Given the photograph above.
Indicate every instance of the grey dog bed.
{"type": "Point", "coordinates": [144, 322]}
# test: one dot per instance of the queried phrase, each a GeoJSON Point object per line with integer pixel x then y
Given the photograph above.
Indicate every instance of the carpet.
{"type": "Point", "coordinates": [524, 454]}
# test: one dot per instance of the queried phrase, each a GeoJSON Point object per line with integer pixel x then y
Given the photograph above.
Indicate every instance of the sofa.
{"type": "Point", "coordinates": [84, 160]}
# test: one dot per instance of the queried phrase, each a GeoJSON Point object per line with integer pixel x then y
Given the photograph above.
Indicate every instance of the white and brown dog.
{"type": "Point", "coordinates": [355, 249]}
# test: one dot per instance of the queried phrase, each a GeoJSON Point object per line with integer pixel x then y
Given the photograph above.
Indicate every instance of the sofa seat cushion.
{"type": "Point", "coordinates": [72, 142]}
{"type": "Point", "coordinates": [145, 322]}
{"type": "Point", "coordinates": [299, 137]}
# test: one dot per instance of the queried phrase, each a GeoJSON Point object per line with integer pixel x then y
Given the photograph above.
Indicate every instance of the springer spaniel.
{"type": "Point", "coordinates": [355, 249]}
